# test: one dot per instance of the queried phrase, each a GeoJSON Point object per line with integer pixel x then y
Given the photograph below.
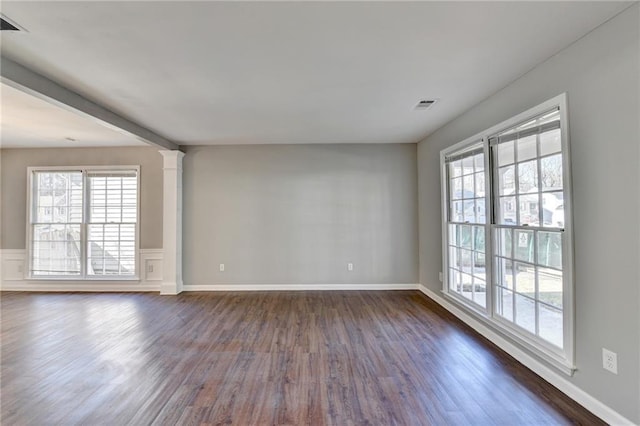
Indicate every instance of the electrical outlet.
{"type": "Point", "coordinates": [150, 267]}
{"type": "Point", "coordinates": [440, 276]}
{"type": "Point", "coordinates": [222, 267]}
{"type": "Point", "coordinates": [610, 361]}
{"type": "Point", "coordinates": [349, 266]}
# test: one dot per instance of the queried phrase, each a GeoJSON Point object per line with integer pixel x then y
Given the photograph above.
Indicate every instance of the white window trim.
{"type": "Point", "coordinates": [563, 360]}
{"type": "Point", "coordinates": [83, 278]}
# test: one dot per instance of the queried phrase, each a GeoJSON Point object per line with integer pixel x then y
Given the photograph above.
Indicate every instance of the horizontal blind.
{"type": "Point", "coordinates": [475, 149]}
{"type": "Point", "coordinates": [112, 173]}
{"type": "Point", "coordinates": [113, 199]}
{"type": "Point", "coordinates": [113, 196]}
{"type": "Point", "coordinates": [545, 122]}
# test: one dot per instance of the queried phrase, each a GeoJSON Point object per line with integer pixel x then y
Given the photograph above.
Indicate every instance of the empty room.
{"type": "Point", "coordinates": [319, 213]}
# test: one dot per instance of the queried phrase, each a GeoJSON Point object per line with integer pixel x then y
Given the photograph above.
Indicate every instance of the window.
{"type": "Point", "coordinates": [517, 239]}
{"type": "Point", "coordinates": [466, 224]}
{"type": "Point", "coordinates": [83, 223]}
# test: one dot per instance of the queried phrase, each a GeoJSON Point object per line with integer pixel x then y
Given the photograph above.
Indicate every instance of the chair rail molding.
{"type": "Point", "coordinates": [14, 277]}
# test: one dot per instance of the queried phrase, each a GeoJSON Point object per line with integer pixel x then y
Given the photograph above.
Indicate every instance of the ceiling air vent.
{"type": "Point", "coordinates": [426, 103]}
{"type": "Point", "coordinates": [7, 25]}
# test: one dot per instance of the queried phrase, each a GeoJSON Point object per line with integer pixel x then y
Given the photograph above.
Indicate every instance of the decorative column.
{"type": "Point", "coordinates": [172, 223]}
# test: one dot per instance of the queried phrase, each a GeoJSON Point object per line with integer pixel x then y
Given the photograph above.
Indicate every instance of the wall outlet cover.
{"type": "Point", "coordinates": [610, 361]}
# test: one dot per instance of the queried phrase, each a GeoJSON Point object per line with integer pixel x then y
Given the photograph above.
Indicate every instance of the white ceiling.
{"type": "Point", "coordinates": [305, 72]}
{"type": "Point", "coordinates": [29, 122]}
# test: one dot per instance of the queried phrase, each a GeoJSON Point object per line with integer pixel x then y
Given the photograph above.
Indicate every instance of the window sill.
{"type": "Point", "coordinates": [533, 348]}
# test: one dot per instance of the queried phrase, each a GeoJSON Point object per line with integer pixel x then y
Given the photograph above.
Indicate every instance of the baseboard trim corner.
{"type": "Point", "coordinates": [583, 398]}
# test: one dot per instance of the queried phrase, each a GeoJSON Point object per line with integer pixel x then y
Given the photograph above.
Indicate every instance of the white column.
{"type": "Point", "coordinates": [172, 223]}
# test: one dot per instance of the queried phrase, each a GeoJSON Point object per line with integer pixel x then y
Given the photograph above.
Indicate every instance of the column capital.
{"type": "Point", "coordinates": [172, 159]}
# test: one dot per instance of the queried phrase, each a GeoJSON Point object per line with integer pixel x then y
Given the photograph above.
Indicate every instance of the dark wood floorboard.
{"type": "Point", "coordinates": [261, 358]}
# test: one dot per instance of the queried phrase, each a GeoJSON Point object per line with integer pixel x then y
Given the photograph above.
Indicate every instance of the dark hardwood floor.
{"type": "Point", "coordinates": [262, 358]}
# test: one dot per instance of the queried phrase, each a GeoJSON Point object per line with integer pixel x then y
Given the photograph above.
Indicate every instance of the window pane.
{"type": "Point", "coordinates": [480, 292]}
{"type": "Point", "coordinates": [479, 271]}
{"type": "Point", "coordinates": [505, 242]}
{"type": "Point", "coordinates": [527, 176]}
{"type": "Point", "coordinates": [551, 170]}
{"type": "Point", "coordinates": [481, 212]}
{"type": "Point", "coordinates": [466, 260]}
{"type": "Point", "coordinates": [527, 148]}
{"type": "Point", "coordinates": [550, 325]}
{"type": "Point", "coordinates": [457, 211]}
{"type": "Point", "coordinates": [550, 249]}
{"type": "Point", "coordinates": [479, 191]}
{"type": "Point", "coordinates": [470, 211]}
{"type": "Point", "coordinates": [507, 213]}
{"type": "Point", "coordinates": [553, 209]}
{"type": "Point", "coordinates": [504, 303]}
{"type": "Point", "coordinates": [526, 313]}
{"type": "Point", "coordinates": [111, 249]}
{"type": "Point", "coordinates": [468, 189]}
{"type": "Point", "coordinates": [466, 285]}
{"type": "Point", "coordinates": [467, 165]}
{"type": "Point", "coordinates": [529, 213]}
{"type": "Point", "coordinates": [525, 279]}
{"type": "Point", "coordinates": [550, 142]}
{"type": "Point", "coordinates": [454, 280]}
{"type": "Point", "coordinates": [466, 238]}
{"type": "Point", "coordinates": [505, 273]}
{"type": "Point", "coordinates": [478, 161]}
{"type": "Point", "coordinates": [57, 197]}
{"type": "Point", "coordinates": [524, 249]}
{"type": "Point", "coordinates": [550, 286]}
{"type": "Point", "coordinates": [506, 180]}
{"type": "Point", "coordinates": [456, 168]}
{"type": "Point", "coordinates": [505, 153]}
{"type": "Point", "coordinates": [453, 235]}
{"type": "Point", "coordinates": [56, 249]}
{"type": "Point", "coordinates": [456, 188]}
{"type": "Point", "coordinates": [478, 238]}
{"type": "Point", "coordinates": [454, 258]}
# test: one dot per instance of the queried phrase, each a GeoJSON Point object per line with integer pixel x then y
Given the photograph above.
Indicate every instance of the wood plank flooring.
{"type": "Point", "coordinates": [260, 358]}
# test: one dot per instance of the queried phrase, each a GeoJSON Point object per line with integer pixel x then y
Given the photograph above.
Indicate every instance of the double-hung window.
{"type": "Point", "coordinates": [466, 224]}
{"type": "Point", "coordinates": [83, 222]}
{"type": "Point", "coordinates": [507, 229]}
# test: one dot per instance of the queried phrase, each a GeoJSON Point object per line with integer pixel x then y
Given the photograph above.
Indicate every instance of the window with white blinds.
{"type": "Point", "coordinates": [111, 227]}
{"type": "Point", "coordinates": [83, 223]}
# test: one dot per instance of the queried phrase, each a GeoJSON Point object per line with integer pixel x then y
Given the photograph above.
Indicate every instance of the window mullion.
{"type": "Point", "coordinates": [488, 231]}
{"type": "Point", "coordinates": [84, 252]}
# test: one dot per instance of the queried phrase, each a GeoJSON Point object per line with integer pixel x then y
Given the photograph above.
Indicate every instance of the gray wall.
{"type": "Point", "coordinates": [14, 186]}
{"type": "Point", "coordinates": [297, 214]}
{"type": "Point", "coordinates": [600, 74]}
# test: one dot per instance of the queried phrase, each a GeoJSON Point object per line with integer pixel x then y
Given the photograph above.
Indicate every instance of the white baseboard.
{"type": "Point", "coordinates": [12, 276]}
{"type": "Point", "coordinates": [285, 287]}
{"type": "Point", "coordinates": [592, 404]}
{"type": "Point", "coordinates": [82, 286]}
